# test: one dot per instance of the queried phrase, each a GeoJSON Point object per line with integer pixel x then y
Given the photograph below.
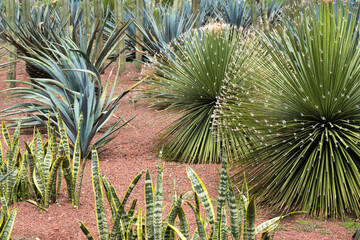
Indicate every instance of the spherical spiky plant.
{"type": "Point", "coordinates": [189, 80]}
{"type": "Point", "coordinates": [310, 122]}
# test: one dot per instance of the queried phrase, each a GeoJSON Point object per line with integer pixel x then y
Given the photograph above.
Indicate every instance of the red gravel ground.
{"type": "Point", "coordinates": [134, 150]}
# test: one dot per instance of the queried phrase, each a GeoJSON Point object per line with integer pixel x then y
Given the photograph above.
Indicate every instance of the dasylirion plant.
{"type": "Point", "coordinates": [189, 80]}
{"type": "Point", "coordinates": [308, 156]}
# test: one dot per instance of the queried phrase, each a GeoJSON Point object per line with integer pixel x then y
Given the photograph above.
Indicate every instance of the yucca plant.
{"type": "Point", "coordinates": [309, 158]}
{"type": "Point", "coordinates": [73, 91]}
{"type": "Point", "coordinates": [189, 79]}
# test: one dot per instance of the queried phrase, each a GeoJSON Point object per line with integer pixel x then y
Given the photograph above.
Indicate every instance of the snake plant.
{"type": "Point", "coordinates": [47, 28]}
{"type": "Point", "coordinates": [123, 221]}
{"type": "Point", "coordinates": [242, 214]}
{"type": "Point", "coordinates": [129, 225]}
{"type": "Point", "coordinates": [13, 187]}
{"type": "Point", "coordinates": [7, 219]}
{"type": "Point", "coordinates": [151, 224]}
{"type": "Point", "coordinates": [44, 160]}
{"type": "Point", "coordinates": [73, 168]}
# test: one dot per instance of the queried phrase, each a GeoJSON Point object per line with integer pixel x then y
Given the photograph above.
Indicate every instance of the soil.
{"type": "Point", "coordinates": [132, 151]}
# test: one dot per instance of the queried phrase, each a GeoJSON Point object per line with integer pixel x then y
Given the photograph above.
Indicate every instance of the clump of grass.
{"type": "Point", "coordinates": [350, 224]}
{"type": "Point", "coordinates": [306, 226]}
{"type": "Point", "coordinates": [324, 231]}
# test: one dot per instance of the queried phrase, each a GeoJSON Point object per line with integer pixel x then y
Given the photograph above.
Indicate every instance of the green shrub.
{"type": "Point", "coordinates": [307, 118]}
{"type": "Point", "coordinates": [189, 80]}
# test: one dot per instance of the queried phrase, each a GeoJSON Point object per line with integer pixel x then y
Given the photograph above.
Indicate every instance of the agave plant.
{"type": "Point", "coordinates": [32, 34]}
{"type": "Point", "coordinates": [73, 91]}
{"type": "Point", "coordinates": [46, 31]}
{"type": "Point", "coordinates": [190, 78]}
{"type": "Point", "coordinates": [310, 153]}
{"type": "Point", "coordinates": [161, 25]}
{"type": "Point", "coordinates": [270, 12]}
{"type": "Point", "coordinates": [236, 13]}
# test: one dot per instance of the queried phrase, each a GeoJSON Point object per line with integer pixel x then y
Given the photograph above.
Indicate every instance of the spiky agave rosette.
{"type": "Point", "coordinates": [310, 154]}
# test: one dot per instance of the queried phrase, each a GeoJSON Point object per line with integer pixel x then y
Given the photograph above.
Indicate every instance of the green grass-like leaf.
{"type": "Point", "coordinates": [307, 154]}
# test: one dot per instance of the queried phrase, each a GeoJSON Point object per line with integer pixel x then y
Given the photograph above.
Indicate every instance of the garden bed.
{"type": "Point", "coordinates": [132, 151]}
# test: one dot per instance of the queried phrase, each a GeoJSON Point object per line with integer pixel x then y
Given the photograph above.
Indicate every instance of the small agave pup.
{"type": "Point", "coordinates": [309, 156]}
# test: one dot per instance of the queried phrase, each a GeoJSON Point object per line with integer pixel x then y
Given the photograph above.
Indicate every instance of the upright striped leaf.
{"type": "Point", "coordinates": [15, 140]}
{"type": "Point", "coordinates": [99, 198]}
{"type": "Point", "coordinates": [158, 201]}
{"type": "Point", "coordinates": [77, 154]}
{"type": "Point", "coordinates": [68, 175]}
{"type": "Point", "coordinates": [139, 225]}
{"type": "Point", "coordinates": [46, 164]}
{"type": "Point", "coordinates": [249, 229]}
{"type": "Point", "coordinates": [201, 232]}
{"type": "Point", "coordinates": [8, 227]}
{"type": "Point", "coordinates": [174, 212]}
{"type": "Point", "coordinates": [235, 213]}
{"type": "Point", "coordinates": [39, 182]}
{"type": "Point", "coordinates": [63, 136]}
{"type": "Point", "coordinates": [6, 135]}
{"type": "Point", "coordinates": [39, 153]}
{"type": "Point", "coordinates": [50, 181]}
{"type": "Point", "coordinates": [179, 233]}
{"type": "Point", "coordinates": [79, 182]}
{"type": "Point", "coordinates": [223, 187]}
{"type": "Point", "coordinates": [149, 205]}
{"type": "Point", "coordinates": [199, 187]}
{"type": "Point", "coordinates": [86, 231]}
{"type": "Point", "coordinates": [223, 226]}
{"type": "Point", "coordinates": [184, 224]}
